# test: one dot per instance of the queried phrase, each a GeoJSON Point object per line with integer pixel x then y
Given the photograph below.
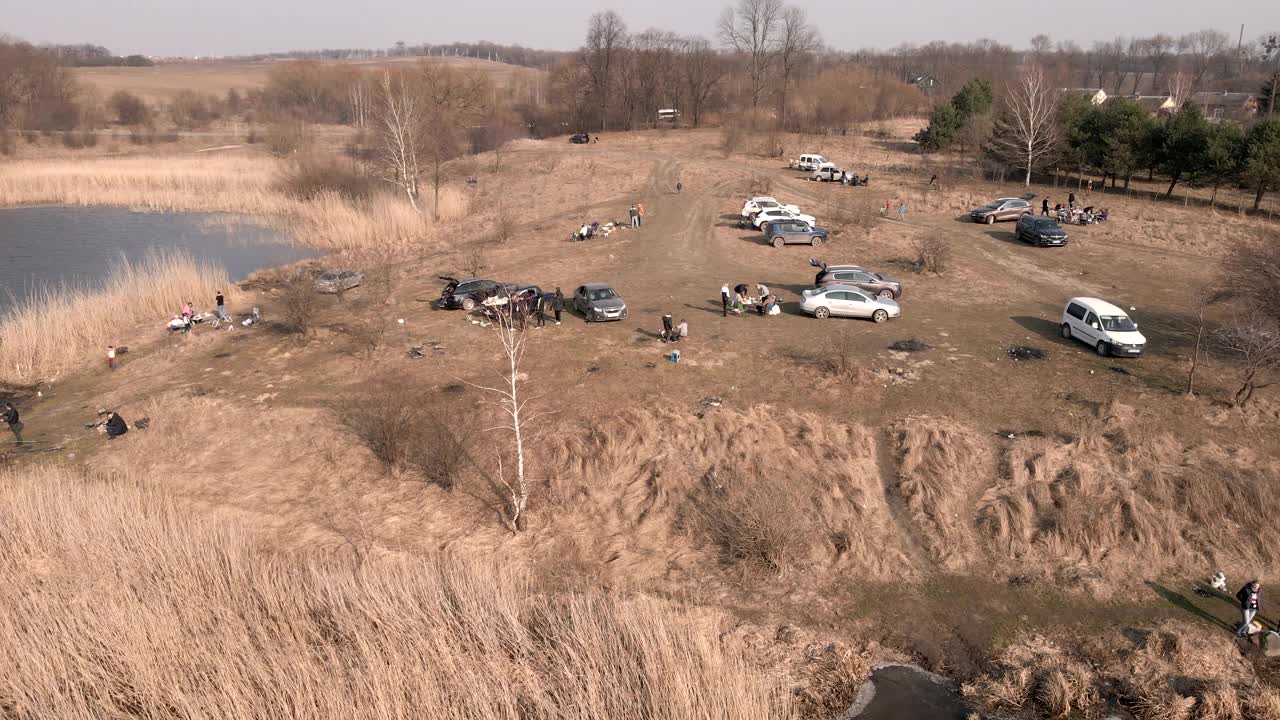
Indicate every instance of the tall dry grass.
{"type": "Point", "coordinates": [59, 328]}
{"type": "Point", "coordinates": [118, 604]}
{"type": "Point", "coordinates": [241, 184]}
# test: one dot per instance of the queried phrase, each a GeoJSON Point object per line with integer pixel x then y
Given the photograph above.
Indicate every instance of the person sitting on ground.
{"type": "Point", "coordinates": [682, 330]}
{"type": "Point", "coordinates": [116, 426]}
{"type": "Point", "coordinates": [761, 291]}
{"type": "Point", "coordinates": [1102, 215]}
{"type": "Point", "coordinates": [772, 307]}
{"type": "Point", "coordinates": [866, 179]}
{"type": "Point", "coordinates": [585, 231]}
{"type": "Point", "coordinates": [254, 317]}
{"type": "Point", "coordinates": [738, 302]}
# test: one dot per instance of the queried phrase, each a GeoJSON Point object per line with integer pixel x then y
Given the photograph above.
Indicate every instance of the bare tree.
{"type": "Point", "coordinates": [606, 38]}
{"type": "Point", "coordinates": [703, 70]}
{"type": "Point", "coordinates": [1252, 340]}
{"type": "Point", "coordinates": [1041, 46]}
{"type": "Point", "coordinates": [1158, 50]}
{"type": "Point", "coordinates": [1202, 48]}
{"type": "Point", "coordinates": [400, 126]}
{"type": "Point", "coordinates": [797, 42]}
{"type": "Point", "coordinates": [509, 396]}
{"type": "Point", "coordinates": [1204, 298]}
{"type": "Point", "coordinates": [1179, 87]}
{"type": "Point", "coordinates": [752, 28]}
{"type": "Point", "coordinates": [1028, 129]}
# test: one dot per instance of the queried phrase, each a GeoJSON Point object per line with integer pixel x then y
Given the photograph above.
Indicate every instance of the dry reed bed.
{"type": "Point", "coordinates": [118, 604]}
{"type": "Point", "coordinates": [229, 183]}
{"type": "Point", "coordinates": [61, 328]}
{"type": "Point", "coordinates": [1172, 671]}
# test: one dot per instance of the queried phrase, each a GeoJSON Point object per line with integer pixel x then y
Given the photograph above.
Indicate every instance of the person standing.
{"type": "Point", "coordinates": [1250, 597]}
{"type": "Point", "coordinates": [668, 329]}
{"type": "Point", "coordinates": [902, 211]}
{"type": "Point", "coordinates": [11, 419]}
{"type": "Point", "coordinates": [1071, 200]}
{"type": "Point", "coordinates": [635, 217]}
{"type": "Point", "coordinates": [640, 213]}
{"type": "Point", "coordinates": [111, 357]}
{"type": "Point", "coordinates": [1090, 186]}
{"type": "Point", "coordinates": [679, 187]}
{"type": "Point", "coordinates": [221, 302]}
{"type": "Point", "coordinates": [724, 300]}
{"type": "Point", "coordinates": [558, 304]}
{"type": "Point", "coordinates": [539, 317]}
{"type": "Point", "coordinates": [1044, 206]}
{"type": "Point", "coordinates": [682, 330]}
{"type": "Point", "coordinates": [933, 180]}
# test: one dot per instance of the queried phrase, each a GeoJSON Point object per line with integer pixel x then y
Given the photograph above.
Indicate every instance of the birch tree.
{"type": "Point", "coordinates": [1028, 129]}
{"type": "Point", "coordinates": [401, 127]}
{"type": "Point", "coordinates": [752, 28]}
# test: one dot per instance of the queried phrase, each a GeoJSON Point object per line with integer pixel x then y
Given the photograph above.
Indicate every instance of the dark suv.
{"type": "Point", "coordinates": [1040, 230]}
{"type": "Point", "coordinates": [793, 232]}
{"type": "Point", "coordinates": [881, 286]}
{"type": "Point", "coordinates": [465, 293]}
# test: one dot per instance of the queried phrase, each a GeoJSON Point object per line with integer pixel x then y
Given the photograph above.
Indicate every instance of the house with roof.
{"type": "Point", "coordinates": [1156, 105]}
{"type": "Point", "coordinates": [1226, 106]}
{"type": "Point", "coordinates": [1096, 96]}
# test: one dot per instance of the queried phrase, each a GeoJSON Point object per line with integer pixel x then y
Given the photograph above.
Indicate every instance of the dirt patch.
{"type": "Point", "coordinates": [910, 346]}
{"type": "Point", "coordinates": [1025, 352]}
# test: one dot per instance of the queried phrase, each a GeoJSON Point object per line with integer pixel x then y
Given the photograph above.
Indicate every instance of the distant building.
{"type": "Point", "coordinates": [668, 115]}
{"type": "Point", "coordinates": [1157, 105]}
{"type": "Point", "coordinates": [1096, 96]}
{"type": "Point", "coordinates": [1226, 106]}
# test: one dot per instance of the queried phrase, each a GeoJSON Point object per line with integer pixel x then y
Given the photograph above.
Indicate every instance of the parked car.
{"type": "Point", "coordinates": [847, 301]}
{"type": "Point", "coordinates": [580, 138]}
{"type": "Point", "coordinates": [1102, 326]}
{"type": "Point", "coordinates": [520, 291]}
{"type": "Point", "coordinates": [1040, 230]}
{"type": "Point", "coordinates": [758, 204]}
{"type": "Point", "coordinates": [881, 286]}
{"type": "Point", "coordinates": [336, 281]}
{"type": "Point", "coordinates": [1002, 209]}
{"type": "Point", "coordinates": [809, 161]}
{"type": "Point", "coordinates": [793, 232]}
{"type": "Point", "coordinates": [465, 293]}
{"type": "Point", "coordinates": [768, 216]}
{"type": "Point", "coordinates": [598, 302]}
{"type": "Point", "coordinates": [827, 173]}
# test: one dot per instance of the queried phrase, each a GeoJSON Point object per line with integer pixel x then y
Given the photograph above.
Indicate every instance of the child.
{"type": "Point", "coordinates": [111, 357]}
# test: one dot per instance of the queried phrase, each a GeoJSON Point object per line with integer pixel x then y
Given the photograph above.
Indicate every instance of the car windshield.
{"type": "Point", "coordinates": [1118, 324]}
{"type": "Point", "coordinates": [1046, 224]}
{"type": "Point", "coordinates": [601, 294]}
{"type": "Point", "coordinates": [992, 206]}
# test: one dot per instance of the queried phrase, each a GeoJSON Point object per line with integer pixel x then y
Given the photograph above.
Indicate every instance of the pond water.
{"type": "Point", "coordinates": [897, 692]}
{"type": "Point", "coordinates": [51, 245]}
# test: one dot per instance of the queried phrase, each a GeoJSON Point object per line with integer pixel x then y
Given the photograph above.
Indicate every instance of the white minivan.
{"type": "Point", "coordinates": [1103, 327]}
{"type": "Point", "coordinates": [809, 162]}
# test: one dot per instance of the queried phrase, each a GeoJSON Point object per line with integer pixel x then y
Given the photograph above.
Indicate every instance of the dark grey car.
{"type": "Point", "coordinates": [598, 302]}
{"type": "Point", "coordinates": [1040, 230]}
{"type": "Point", "coordinates": [882, 286]}
{"type": "Point", "coordinates": [793, 232]}
{"type": "Point", "coordinates": [466, 293]}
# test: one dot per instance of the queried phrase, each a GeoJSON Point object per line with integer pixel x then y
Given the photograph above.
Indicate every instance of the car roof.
{"type": "Point", "coordinates": [597, 286]}
{"type": "Point", "coordinates": [836, 268]}
{"type": "Point", "coordinates": [1101, 307]}
{"type": "Point", "coordinates": [845, 288]}
{"type": "Point", "coordinates": [763, 198]}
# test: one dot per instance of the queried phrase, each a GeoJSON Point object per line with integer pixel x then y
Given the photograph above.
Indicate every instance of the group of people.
{"type": "Point", "coordinates": [674, 333]}
{"type": "Point", "coordinates": [114, 426]}
{"type": "Point", "coordinates": [526, 305]}
{"type": "Point", "coordinates": [1069, 214]}
{"type": "Point", "coordinates": [852, 179]}
{"type": "Point", "coordinates": [637, 215]}
{"type": "Point", "coordinates": [888, 207]}
{"type": "Point", "coordinates": [187, 316]}
{"type": "Point", "coordinates": [764, 302]}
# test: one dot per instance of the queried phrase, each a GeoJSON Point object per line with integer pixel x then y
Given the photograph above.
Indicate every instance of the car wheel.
{"type": "Point", "coordinates": [1103, 348]}
{"type": "Point", "coordinates": [779, 242]}
{"type": "Point", "coordinates": [468, 304]}
{"type": "Point", "coordinates": [1066, 331]}
{"type": "Point", "coordinates": [821, 313]}
{"type": "Point", "coordinates": [815, 241]}
{"type": "Point", "coordinates": [991, 219]}
{"type": "Point", "coordinates": [880, 316]}
{"type": "Point", "coordinates": [885, 295]}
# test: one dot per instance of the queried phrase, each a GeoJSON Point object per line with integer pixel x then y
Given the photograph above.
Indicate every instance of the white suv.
{"type": "Point", "coordinates": [758, 204]}
{"type": "Point", "coordinates": [1102, 326]}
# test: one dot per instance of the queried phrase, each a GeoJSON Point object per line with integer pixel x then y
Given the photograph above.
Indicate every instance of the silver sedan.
{"type": "Point", "coordinates": [847, 301]}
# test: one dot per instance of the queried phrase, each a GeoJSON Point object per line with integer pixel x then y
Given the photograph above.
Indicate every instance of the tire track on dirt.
{"type": "Point", "coordinates": [913, 543]}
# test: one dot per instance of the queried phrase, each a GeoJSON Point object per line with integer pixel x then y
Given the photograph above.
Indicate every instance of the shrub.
{"type": "Point", "coordinates": [932, 252]}
{"type": "Point", "coordinates": [298, 301]}
{"type": "Point", "coordinates": [309, 175]}
{"type": "Point", "coordinates": [129, 109]}
{"type": "Point", "coordinates": [287, 138]}
{"type": "Point", "coordinates": [412, 430]}
{"type": "Point", "coordinates": [758, 521]}
{"type": "Point", "coordinates": [192, 111]}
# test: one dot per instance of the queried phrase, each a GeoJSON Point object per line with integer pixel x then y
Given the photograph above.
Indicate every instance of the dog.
{"type": "Point", "coordinates": [1219, 582]}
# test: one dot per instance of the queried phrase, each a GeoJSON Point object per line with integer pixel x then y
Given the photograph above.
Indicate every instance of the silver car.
{"type": "Point", "coordinates": [598, 302]}
{"type": "Point", "coordinates": [847, 301]}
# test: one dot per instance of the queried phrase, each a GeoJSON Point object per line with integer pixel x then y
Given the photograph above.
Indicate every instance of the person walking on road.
{"type": "Point", "coordinates": [557, 304]}
{"type": "Point", "coordinates": [1250, 597]}
{"type": "Point", "coordinates": [1071, 200]}
{"type": "Point", "coordinates": [11, 419]}
{"type": "Point", "coordinates": [724, 300]}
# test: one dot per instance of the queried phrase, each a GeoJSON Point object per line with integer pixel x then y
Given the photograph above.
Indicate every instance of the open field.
{"type": "Point", "coordinates": [160, 83]}
{"type": "Point", "coordinates": [1032, 528]}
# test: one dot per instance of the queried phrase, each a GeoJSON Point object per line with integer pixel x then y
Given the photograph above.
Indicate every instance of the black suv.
{"type": "Point", "coordinates": [465, 293]}
{"type": "Point", "coordinates": [1040, 230]}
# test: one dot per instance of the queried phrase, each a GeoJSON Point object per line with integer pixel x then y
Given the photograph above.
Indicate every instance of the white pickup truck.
{"type": "Point", "coordinates": [809, 162]}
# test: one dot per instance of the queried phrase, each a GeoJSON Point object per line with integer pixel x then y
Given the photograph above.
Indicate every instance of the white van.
{"type": "Point", "coordinates": [809, 162]}
{"type": "Point", "coordinates": [1103, 327]}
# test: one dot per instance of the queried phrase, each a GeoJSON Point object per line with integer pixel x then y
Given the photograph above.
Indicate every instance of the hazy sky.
{"type": "Point", "coordinates": [225, 27]}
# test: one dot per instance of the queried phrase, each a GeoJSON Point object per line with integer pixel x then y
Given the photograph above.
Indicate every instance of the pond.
{"type": "Point", "coordinates": [52, 245]}
{"type": "Point", "coordinates": [896, 692]}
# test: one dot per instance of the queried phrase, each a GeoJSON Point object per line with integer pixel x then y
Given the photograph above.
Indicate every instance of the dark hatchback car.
{"type": "Point", "coordinates": [793, 232]}
{"type": "Point", "coordinates": [881, 286]}
{"type": "Point", "coordinates": [465, 293]}
{"type": "Point", "coordinates": [1040, 230]}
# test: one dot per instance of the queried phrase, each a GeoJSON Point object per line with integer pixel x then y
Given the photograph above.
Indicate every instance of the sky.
{"type": "Point", "coordinates": [230, 27]}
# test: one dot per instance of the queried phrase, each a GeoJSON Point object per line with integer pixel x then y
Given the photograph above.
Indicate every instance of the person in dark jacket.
{"type": "Point", "coordinates": [724, 300]}
{"type": "Point", "coordinates": [11, 419]}
{"type": "Point", "coordinates": [668, 327]}
{"type": "Point", "coordinates": [1250, 597]}
{"type": "Point", "coordinates": [558, 304]}
{"type": "Point", "coordinates": [1044, 206]}
{"type": "Point", "coordinates": [116, 426]}
{"type": "Point", "coordinates": [539, 317]}
{"type": "Point", "coordinates": [221, 302]}
{"type": "Point", "coordinates": [1071, 200]}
